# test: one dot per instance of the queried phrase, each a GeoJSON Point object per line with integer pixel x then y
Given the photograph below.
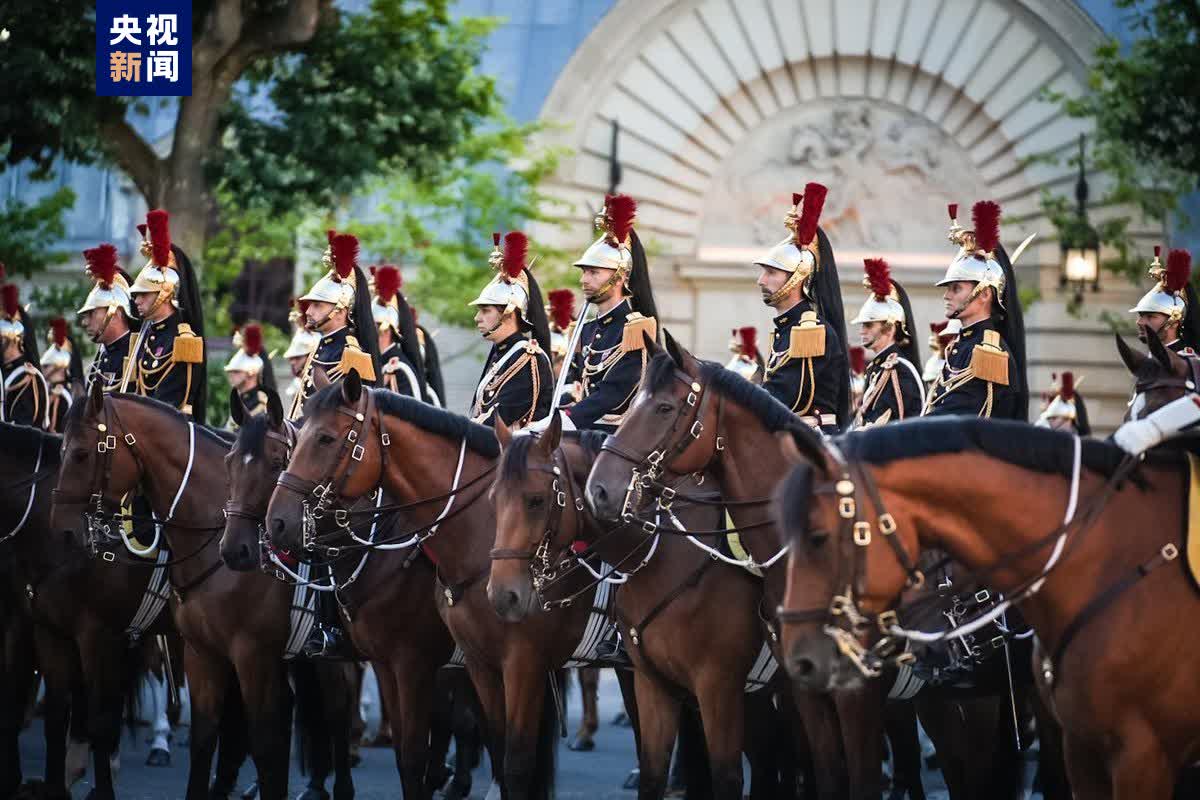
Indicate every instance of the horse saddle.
{"type": "Point", "coordinates": [731, 544]}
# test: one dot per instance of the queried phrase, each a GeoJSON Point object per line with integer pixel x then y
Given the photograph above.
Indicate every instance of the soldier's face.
{"type": "Point", "coordinates": [875, 336]}
{"type": "Point", "coordinates": [771, 280]}
{"type": "Point", "coordinates": [1151, 322]}
{"type": "Point", "coordinates": [297, 365]}
{"type": "Point", "coordinates": [958, 301]}
{"type": "Point", "coordinates": [93, 323]}
{"type": "Point", "coordinates": [591, 279]}
{"type": "Point", "coordinates": [143, 302]}
{"type": "Point", "coordinates": [486, 319]}
{"type": "Point", "coordinates": [321, 316]}
{"type": "Point", "coordinates": [239, 379]}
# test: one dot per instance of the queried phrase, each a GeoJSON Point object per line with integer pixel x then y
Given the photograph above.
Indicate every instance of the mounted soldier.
{"type": "Point", "coordinates": [615, 279]}
{"type": "Point", "coordinates": [561, 313]}
{"type": "Point", "coordinates": [339, 309]}
{"type": "Point", "coordinates": [984, 373]}
{"type": "Point", "coordinates": [1065, 409]}
{"type": "Point", "coordinates": [807, 368]}
{"type": "Point", "coordinates": [1166, 310]}
{"type": "Point", "coordinates": [399, 348]}
{"type": "Point", "coordinates": [892, 386]}
{"type": "Point", "coordinates": [107, 317]}
{"type": "Point", "coordinates": [168, 360]}
{"type": "Point", "coordinates": [431, 361]}
{"type": "Point", "coordinates": [25, 395]}
{"type": "Point", "coordinates": [516, 384]}
{"type": "Point", "coordinates": [941, 334]}
{"type": "Point", "coordinates": [63, 371]}
{"type": "Point", "coordinates": [301, 346]}
{"type": "Point", "coordinates": [746, 361]}
{"type": "Point", "coordinates": [249, 371]}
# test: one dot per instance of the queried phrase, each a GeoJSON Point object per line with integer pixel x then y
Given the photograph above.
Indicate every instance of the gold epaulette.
{"type": "Point", "coordinates": [635, 326]}
{"type": "Point", "coordinates": [353, 357]}
{"type": "Point", "coordinates": [988, 361]}
{"type": "Point", "coordinates": [808, 338]}
{"type": "Point", "coordinates": [189, 348]}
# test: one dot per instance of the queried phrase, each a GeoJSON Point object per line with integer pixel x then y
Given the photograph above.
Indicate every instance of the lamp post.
{"type": "Point", "coordinates": [1080, 242]}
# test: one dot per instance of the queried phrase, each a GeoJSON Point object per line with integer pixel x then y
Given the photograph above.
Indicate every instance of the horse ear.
{"type": "Point", "coordinates": [237, 409]}
{"type": "Point", "coordinates": [1160, 353]}
{"type": "Point", "coordinates": [352, 388]}
{"type": "Point", "coordinates": [1133, 361]}
{"type": "Point", "coordinates": [552, 435]}
{"type": "Point", "coordinates": [673, 349]}
{"type": "Point", "coordinates": [320, 379]}
{"type": "Point", "coordinates": [274, 407]}
{"type": "Point", "coordinates": [652, 347]}
{"type": "Point", "coordinates": [503, 433]}
{"type": "Point", "coordinates": [96, 398]}
{"type": "Point", "coordinates": [685, 360]}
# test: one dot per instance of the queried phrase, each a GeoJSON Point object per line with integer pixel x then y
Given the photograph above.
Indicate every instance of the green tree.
{"type": "Point", "coordinates": [29, 231]}
{"type": "Point", "coordinates": [293, 102]}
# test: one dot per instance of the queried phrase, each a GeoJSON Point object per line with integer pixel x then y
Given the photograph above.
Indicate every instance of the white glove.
{"type": "Point", "coordinates": [1138, 436]}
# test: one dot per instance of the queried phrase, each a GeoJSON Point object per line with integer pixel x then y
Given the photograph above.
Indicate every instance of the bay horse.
{"type": "Point", "coordinates": [438, 465]}
{"type": "Point", "coordinates": [235, 625]}
{"type": "Point", "coordinates": [1047, 519]}
{"type": "Point", "coordinates": [405, 649]}
{"type": "Point", "coordinates": [706, 630]}
{"type": "Point", "coordinates": [693, 417]}
{"type": "Point", "coordinates": [1159, 378]}
{"type": "Point", "coordinates": [76, 614]}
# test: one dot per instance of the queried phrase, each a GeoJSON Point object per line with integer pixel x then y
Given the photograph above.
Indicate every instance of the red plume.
{"type": "Point", "coordinates": [345, 254]}
{"type": "Point", "coordinates": [796, 198]}
{"type": "Point", "coordinates": [160, 236]}
{"type": "Point", "coordinates": [495, 238]}
{"type": "Point", "coordinates": [562, 307]}
{"type": "Point", "coordinates": [621, 212]}
{"type": "Point", "coordinates": [58, 329]}
{"type": "Point", "coordinates": [303, 306]}
{"type": "Point", "coordinates": [1179, 271]}
{"type": "Point", "coordinates": [879, 277]}
{"type": "Point", "coordinates": [252, 340]}
{"type": "Point", "coordinates": [142, 229]}
{"type": "Point", "coordinates": [952, 209]}
{"type": "Point", "coordinates": [516, 247]}
{"type": "Point", "coordinates": [749, 337]}
{"type": "Point", "coordinates": [1066, 387]}
{"type": "Point", "coordinates": [330, 233]}
{"type": "Point", "coordinates": [387, 283]}
{"type": "Point", "coordinates": [810, 214]}
{"type": "Point", "coordinates": [1157, 252]}
{"type": "Point", "coordinates": [858, 360]}
{"type": "Point", "coordinates": [102, 263]}
{"type": "Point", "coordinates": [11, 299]}
{"type": "Point", "coordinates": [938, 327]}
{"type": "Point", "coordinates": [3, 272]}
{"type": "Point", "coordinates": [986, 217]}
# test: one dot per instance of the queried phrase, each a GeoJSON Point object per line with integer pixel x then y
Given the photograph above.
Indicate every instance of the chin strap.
{"type": "Point", "coordinates": [606, 289]}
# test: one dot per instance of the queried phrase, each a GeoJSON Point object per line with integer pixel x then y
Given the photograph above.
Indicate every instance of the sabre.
{"type": "Point", "coordinates": [1021, 248]}
{"type": "Point", "coordinates": [562, 375]}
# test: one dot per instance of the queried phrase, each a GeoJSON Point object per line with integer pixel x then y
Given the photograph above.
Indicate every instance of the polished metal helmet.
{"type": "Point", "coordinates": [744, 345]}
{"type": "Point", "coordinates": [976, 258]}
{"type": "Point", "coordinates": [58, 354]}
{"type": "Point", "coordinates": [337, 285]}
{"type": "Point", "coordinates": [110, 290]}
{"type": "Point", "coordinates": [798, 253]}
{"type": "Point", "coordinates": [385, 309]}
{"type": "Point", "coordinates": [883, 303]}
{"type": "Point", "coordinates": [247, 354]}
{"type": "Point", "coordinates": [1062, 405]}
{"type": "Point", "coordinates": [303, 343]}
{"type": "Point", "coordinates": [509, 288]}
{"type": "Point", "coordinates": [613, 249]}
{"type": "Point", "coordinates": [1169, 294]}
{"type": "Point", "coordinates": [160, 276]}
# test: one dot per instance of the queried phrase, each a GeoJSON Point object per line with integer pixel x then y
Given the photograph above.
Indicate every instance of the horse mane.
{"type": "Point", "coordinates": [480, 438]}
{"type": "Point", "coordinates": [772, 413]}
{"type": "Point", "coordinates": [1016, 443]}
{"type": "Point", "coordinates": [252, 435]}
{"type": "Point", "coordinates": [515, 461]}
{"type": "Point", "coordinates": [22, 439]}
{"type": "Point", "coordinates": [218, 436]}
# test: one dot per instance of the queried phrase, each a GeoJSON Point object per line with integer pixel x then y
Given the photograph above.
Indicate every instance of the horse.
{"type": "Point", "coordinates": [78, 615]}
{"type": "Point", "coordinates": [235, 625]}
{"type": "Point", "coordinates": [706, 630]}
{"type": "Point", "coordinates": [437, 464]}
{"type": "Point", "coordinates": [693, 417]}
{"type": "Point", "coordinates": [1106, 613]}
{"type": "Point", "coordinates": [406, 650]}
{"type": "Point", "coordinates": [1159, 378]}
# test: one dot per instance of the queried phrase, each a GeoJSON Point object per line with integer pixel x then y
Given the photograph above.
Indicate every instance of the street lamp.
{"type": "Point", "coordinates": [1080, 242]}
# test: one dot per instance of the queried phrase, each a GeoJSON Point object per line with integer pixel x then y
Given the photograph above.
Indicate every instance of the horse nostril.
{"type": "Point", "coordinates": [599, 496]}
{"type": "Point", "coordinates": [277, 525]}
{"type": "Point", "coordinates": [803, 667]}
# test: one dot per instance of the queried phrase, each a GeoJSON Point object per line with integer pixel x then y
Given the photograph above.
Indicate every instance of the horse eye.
{"type": "Point", "coordinates": [817, 538]}
{"type": "Point", "coordinates": [664, 408]}
{"type": "Point", "coordinates": [325, 438]}
{"type": "Point", "coordinates": [535, 503]}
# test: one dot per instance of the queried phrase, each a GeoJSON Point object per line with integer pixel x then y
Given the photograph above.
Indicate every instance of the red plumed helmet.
{"type": "Point", "coordinates": [141, 228]}
{"type": "Point", "coordinates": [1179, 271]}
{"type": "Point", "coordinates": [938, 327]}
{"type": "Point", "coordinates": [102, 263]}
{"type": "Point", "coordinates": [158, 223]}
{"type": "Point", "coordinates": [252, 340]}
{"type": "Point", "coordinates": [303, 306]}
{"type": "Point", "coordinates": [952, 210]}
{"type": "Point", "coordinates": [387, 283]}
{"type": "Point", "coordinates": [345, 254]}
{"type": "Point", "coordinates": [797, 198]}
{"type": "Point", "coordinates": [749, 340]}
{"type": "Point", "coordinates": [858, 360]}
{"type": "Point", "coordinates": [58, 332]}
{"type": "Point", "coordinates": [11, 299]}
{"type": "Point", "coordinates": [516, 247]}
{"type": "Point", "coordinates": [810, 213]}
{"type": "Point", "coordinates": [986, 217]}
{"type": "Point", "coordinates": [1066, 386]}
{"type": "Point", "coordinates": [622, 210]}
{"type": "Point", "coordinates": [562, 307]}
{"type": "Point", "coordinates": [879, 277]}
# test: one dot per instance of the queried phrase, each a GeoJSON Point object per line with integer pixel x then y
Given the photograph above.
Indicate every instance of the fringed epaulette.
{"type": "Point", "coordinates": [988, 361]}
{"type": "Point", "coordinates": [353, 357]}
{"type": "Point", "coordinates": [635, 326]}
{"type": "Point", "coordinates": [808, 338]}
{"type": "Point", "coordinates": [189, 348]}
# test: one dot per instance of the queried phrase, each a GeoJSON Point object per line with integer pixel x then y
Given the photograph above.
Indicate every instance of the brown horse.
{"type": "Point", "coordinates": [406, 650]}
{"type": "Point", "coordinates": [79, 612]}
{"type": "Point", "coordinates": [439, 466]}
{"type": "Point", "coordinates": [1159, 378]}
{"type": "Point", "coordinates": [1046, 519]}
{"type": "Point", "coordinates": [691, 623]}
{"type": "Point", "coordinates": [235, 625]}
{"type": "Point", "coordinates": [692, 417]}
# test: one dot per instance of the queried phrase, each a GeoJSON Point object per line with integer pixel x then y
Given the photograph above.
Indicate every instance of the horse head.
{"type": "Point", "coordinates": [1159, 378]}
{"type": "Point", "coordinates": [260, 453]}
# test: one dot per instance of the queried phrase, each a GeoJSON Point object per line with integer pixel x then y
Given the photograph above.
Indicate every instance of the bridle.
{"type": "Point", "coordinates": [256, 513]}
{"type": "Point", "coordinates": [1183, 384]}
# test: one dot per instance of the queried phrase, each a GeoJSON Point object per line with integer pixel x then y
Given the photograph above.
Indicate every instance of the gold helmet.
{"type": "Point", "coordinates": [976, 258]}
{"type": "Point", "coordinates": [160, 276]}
{"type": "Point", "coordinates": [110, 290]}
{"type": "Point", "coordinates": [798, 253]}
{"type": "Point", "coordinates": [509, 288]}
{"type": "Point", "coordinates": [1169, 295]}
{"type": "Point", "coordinates": [12, 326]}
{"type": "Point", "coordinates": [58, 354]}
{"type": "Point", "coordinates": [337, 285]}
{"type": "Point", "coordinates": [612, 250]}
{"type": "Point", "coordinates": [247, 355]}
